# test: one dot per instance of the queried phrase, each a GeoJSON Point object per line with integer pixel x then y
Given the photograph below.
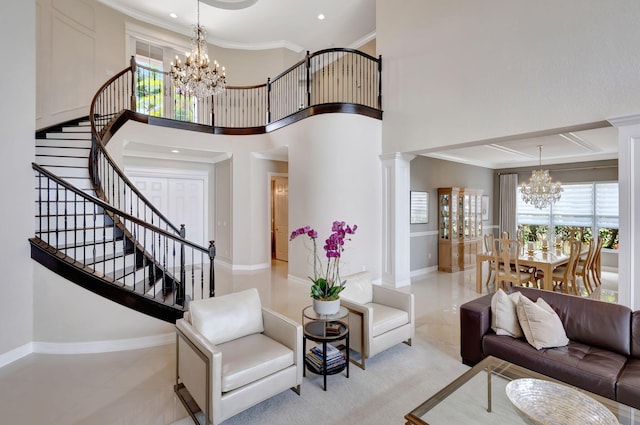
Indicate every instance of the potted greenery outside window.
{"type": "Point", "coordinates": [326, 284]}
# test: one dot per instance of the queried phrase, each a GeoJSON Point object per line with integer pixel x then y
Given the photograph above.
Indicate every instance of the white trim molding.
{"type": "Point", "coordinates": [93, 347]}
{"type": "Point", "coordinates": [421, 234]}
{"type": "Point", "coordinates": [16, 354]}
{"type": "Point", "coordinates": [87, 347]}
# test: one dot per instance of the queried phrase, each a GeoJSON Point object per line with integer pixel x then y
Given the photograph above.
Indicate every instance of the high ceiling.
{"type": "Point", "coordinates": [294, 24]}
{"type": "Point", "coordinates": [263, 24]}
{"type": "Point", "coordinates": [574, 146]}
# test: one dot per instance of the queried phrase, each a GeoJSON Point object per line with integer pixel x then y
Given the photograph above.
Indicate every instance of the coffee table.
{"type": "Point", "coordinates": [478, 397]}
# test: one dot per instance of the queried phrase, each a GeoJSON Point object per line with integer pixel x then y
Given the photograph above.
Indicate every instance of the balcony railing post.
{"type": "Point", "coordinates": [308, 65]}
{"type": "Point", "coordinates": [180, 292]}
{"type": "Point", "coordinates": [212, 276]}
{"type": "Point", "coordinates": [213, 112]}
{"type": "Point", "coordinates": [268, 100]}
{"type": "Point", "coordinates": [133, 83]}
{"type": "Point", "coordinates": [380, 82]}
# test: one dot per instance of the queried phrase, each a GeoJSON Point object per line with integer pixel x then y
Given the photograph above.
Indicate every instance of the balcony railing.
{"type": "Point", "coordinates": [329, 77]}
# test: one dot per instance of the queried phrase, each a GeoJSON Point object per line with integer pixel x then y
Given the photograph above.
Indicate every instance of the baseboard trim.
{"type": "Point", "coordinates": [16, 354]}
{"type": "Point", "coordinates": [422, 272]}
{"type": "Point", "coordinates": [94, 347]}
{"type": "Point", "coordinates": [250, 267]}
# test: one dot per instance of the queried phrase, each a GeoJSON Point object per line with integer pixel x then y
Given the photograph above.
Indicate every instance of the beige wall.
{"type": "Point", "coordinates": [17, 109]}
{"type": "Point", "coordinates": [459, 71]}
{"type": "Point", "coordinates": [60, 307]}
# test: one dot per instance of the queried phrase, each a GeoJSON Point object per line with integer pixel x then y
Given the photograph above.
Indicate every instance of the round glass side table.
{"type": "Point", "coordinates": [325, 358]}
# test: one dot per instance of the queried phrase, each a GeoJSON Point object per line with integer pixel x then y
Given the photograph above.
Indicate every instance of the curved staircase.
{"type": "Point", "coordinates": [96, 229]}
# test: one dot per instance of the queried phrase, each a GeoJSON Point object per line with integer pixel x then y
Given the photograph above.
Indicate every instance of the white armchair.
{"type": "Point", "coordinates": [379, 317]}
{"type": "Point", "coordinates": [232, 354]}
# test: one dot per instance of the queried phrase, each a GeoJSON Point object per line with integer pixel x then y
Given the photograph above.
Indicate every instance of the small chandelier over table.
{"type": "Point", "coordinates": [196, 76]}
{"type": "Point", "coordinates": [540, 191]}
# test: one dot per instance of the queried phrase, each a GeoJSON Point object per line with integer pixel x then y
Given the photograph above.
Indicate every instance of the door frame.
{"type": "Point", "coordinates": [270, 178]}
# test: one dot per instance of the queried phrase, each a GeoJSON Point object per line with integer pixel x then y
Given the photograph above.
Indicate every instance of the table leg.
{"type": "Point", "coordinates": [489, 389]}
{"type": "Point", "coordinates": [547, 282]}
{"type": "Point", "coordinates": [347, 351]}
{"type": "Point", "coordinates": [324, 364]}
{"type": "Point", "coordinates": [478, 275]}
{"type": "Point", "coordinates": [304, 353]}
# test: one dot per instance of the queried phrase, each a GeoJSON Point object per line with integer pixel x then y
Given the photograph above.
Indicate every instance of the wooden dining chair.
{"type": "Point", "coordinates": [584, 267]}
{"type": "Point", "coordinates": [507, 266]}
{"type": "Point", "coordinates": [565, 276]}
{"type": "Point", "coordinates": [596, 262]}
{"type": "Point", "coordinates": [488, 247]}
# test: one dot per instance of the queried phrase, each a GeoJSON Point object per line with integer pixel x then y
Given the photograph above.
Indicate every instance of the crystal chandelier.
{"type": "Point", "coordinates": [196, 77]}
{"type": "Point", "coordinates": [540, 191]}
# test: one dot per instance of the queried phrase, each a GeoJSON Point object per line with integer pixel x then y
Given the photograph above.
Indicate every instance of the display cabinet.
{"type": "Point", "coordinates": [459, 228]}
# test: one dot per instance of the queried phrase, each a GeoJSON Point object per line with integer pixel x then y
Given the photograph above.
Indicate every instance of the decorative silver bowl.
{"type": "Point", "coordinates": [542, 402]}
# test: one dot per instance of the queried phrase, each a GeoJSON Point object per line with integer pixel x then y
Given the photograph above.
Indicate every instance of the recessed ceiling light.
{"type": "Point", "coordinates": [175, 151]}
{"type": "Point", "coordinates": [321, 16]}
{"type": "Point", "coordinates": [173, 15]}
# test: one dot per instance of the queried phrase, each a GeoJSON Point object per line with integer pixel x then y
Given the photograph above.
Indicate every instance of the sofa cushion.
{"type": "Point", "coordinates": [581, 365]}
{"type": "Point", "coordinates": [386, 318]}
{"type": "Point", "coordinates": [251, 358]}
{"type": "Point", "coordinates": [358, 288]}
{"type": "Point", "coordinates": [227, 317]}
{"type": "Point", "coordinates": [504, 318]}
{"type": "Point", "coordinates": [628, 389]}
{"type": "Point", "coordinates": [610, 331]}
{"type": "Point", "coordinates": [540, 324]}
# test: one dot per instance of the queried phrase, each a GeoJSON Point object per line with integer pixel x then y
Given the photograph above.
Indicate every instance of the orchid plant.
{"type": "Point", "coordinates": [326, 280]}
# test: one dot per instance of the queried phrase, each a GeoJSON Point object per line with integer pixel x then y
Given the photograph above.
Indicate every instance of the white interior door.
{"type": "Point", "coordinates": [181, 200]}
{"type": "Point", "coordinates": [281, 217]}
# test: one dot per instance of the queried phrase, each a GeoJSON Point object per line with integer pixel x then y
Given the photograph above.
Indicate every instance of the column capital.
{"type": "Point", "coordinates": [396, 156]}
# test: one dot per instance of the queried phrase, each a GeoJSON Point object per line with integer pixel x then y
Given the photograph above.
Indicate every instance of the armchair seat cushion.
{"type": "Point", "coordinates": [251, 358]}
{"type": "Point", "coordinates": [386, 318]}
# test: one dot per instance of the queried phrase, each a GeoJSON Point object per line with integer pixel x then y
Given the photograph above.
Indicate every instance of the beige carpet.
{"type": "Point", "coordinates": [395, 382]}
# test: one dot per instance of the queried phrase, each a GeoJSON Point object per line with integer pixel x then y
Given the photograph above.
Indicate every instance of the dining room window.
{"type": "Point", "coordinates": [582, 211]}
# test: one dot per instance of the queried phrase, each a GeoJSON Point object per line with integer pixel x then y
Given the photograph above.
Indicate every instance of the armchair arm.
{"type": "Point", "coordinates": [287, 332]}
{"type": "Point", "coordinates": [360, 326]}
{"type": "Point", "coordinates": [196, 357]}
{"type": "Point", "coordinates": [393, 298]}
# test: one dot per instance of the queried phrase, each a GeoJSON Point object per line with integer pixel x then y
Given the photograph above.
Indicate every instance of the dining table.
{"type": "Point", "coordinates": [546, 261]}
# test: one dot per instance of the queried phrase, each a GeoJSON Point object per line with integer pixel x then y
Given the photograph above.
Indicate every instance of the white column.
{"type": "Point", "coordinates": [396, 179]}
{"type": "Point", "coordinates": [629, 213]}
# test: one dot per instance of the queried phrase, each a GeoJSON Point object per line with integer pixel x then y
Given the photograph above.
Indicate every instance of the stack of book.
{"type": "Point", "coordinates": [335, 359]}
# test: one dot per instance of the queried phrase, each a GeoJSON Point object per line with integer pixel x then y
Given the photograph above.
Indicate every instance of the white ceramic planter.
{"type": "Point", "coordinates": [326, 307]}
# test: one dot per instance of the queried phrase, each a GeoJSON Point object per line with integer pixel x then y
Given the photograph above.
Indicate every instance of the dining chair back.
{"type": "Point", "coordinates": [565, 275]}
{"type": "Point", "coordinates": [584, 267]}
{"type": "Point", "coordinates": [488, 248]}
{"type": "Point", "coordinates": [507, 266]}
{"type": "Point", "coordinates": [596, 262]}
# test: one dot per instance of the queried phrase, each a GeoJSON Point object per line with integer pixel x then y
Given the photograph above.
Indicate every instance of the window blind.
{"type": "Point", "coordinates": [607, 205]}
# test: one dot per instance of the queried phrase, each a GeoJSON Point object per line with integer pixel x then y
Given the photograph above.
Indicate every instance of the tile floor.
{"type": "Point", "coordinates": [135, 387]}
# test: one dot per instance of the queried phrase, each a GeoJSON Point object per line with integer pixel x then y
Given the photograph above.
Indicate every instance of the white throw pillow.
{"type": "Point", "coordinates": [540, 323]}
{"type": "Point", "coordinates": [504, 318]}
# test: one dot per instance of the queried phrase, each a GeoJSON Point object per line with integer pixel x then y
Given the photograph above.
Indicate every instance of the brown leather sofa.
{"type": "Point", "coordinates": [603, 354]}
